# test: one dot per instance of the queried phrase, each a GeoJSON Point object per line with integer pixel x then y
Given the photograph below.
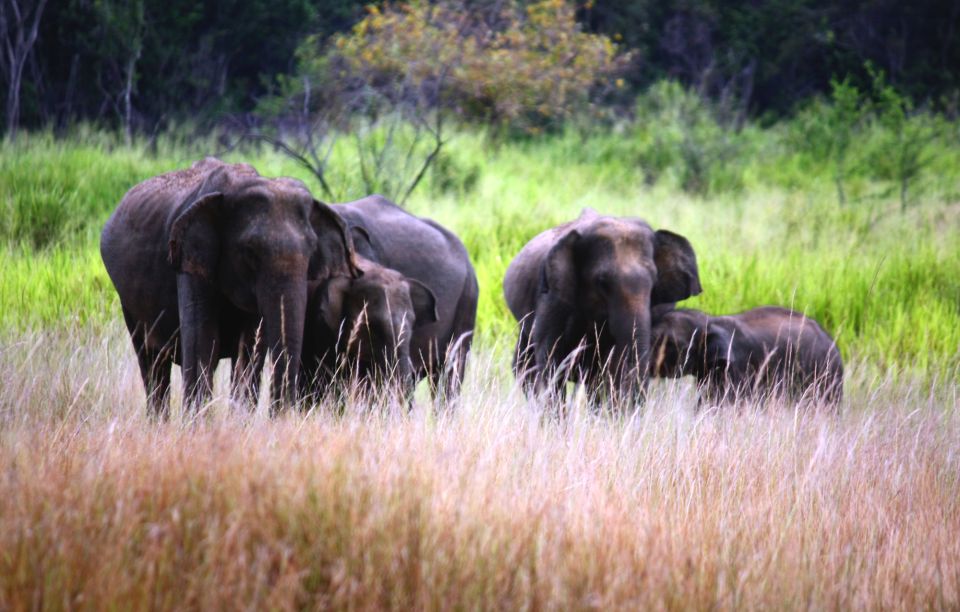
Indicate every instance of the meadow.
{"type": "Point", "coordinates": [494, 505]}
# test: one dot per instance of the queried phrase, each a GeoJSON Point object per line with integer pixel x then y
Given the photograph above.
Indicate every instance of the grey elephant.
{"type": "Point", "coordinates": [363, 328]}
{"type": "Point", "coordinates": [200, 255]}
{"type": "Point", "coordinates": [428, 255]}
{"type": "Point", "coordinates": [767, 351]}
{"type": "Point", "coordinates": [582, 293]}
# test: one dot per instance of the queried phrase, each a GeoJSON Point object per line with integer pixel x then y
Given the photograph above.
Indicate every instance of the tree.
{"type": "Point", "coordinates": [909, 134]}
{"type": "Point", "coordinates": [19, 23]}
{"type": "Point", "coordinates": [123, 22]}
{"type": "Point", "coordinates": [514, 65]}
{"type": "Point", "coordinates": [392, 82]}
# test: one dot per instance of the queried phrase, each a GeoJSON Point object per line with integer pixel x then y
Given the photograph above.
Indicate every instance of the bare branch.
{"type": "Point", "coordinates": [297, 157]}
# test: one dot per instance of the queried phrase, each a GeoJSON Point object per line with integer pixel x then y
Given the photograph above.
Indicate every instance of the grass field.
{"type": "Point", "coordinates": [496, 505]}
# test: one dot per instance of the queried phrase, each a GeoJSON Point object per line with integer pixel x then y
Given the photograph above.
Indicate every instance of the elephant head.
{"type": "Point", "coordinates": [692, 343]}
{"type": "Point", "coordinates": [687, 343]}
{"type": "Point", "coordinates": [259, 241]}
{"type": "Point", "coordinates": [373, 319]}
{"type": "Point", "coordinates": [598, 283]}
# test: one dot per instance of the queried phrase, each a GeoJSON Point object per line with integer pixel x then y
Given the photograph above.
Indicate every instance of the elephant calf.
{"type": "Point", "coordinates": [430, 257]}
{"type": "Point", "coordinates": [364, 327]}
{"type": "Point", "coordinates": [763, 351]}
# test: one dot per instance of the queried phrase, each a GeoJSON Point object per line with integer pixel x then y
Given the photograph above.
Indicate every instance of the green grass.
{"type": "Point", "coordinates": [365, 504]}
{"type": "Point", "coordinates": [886, 283]}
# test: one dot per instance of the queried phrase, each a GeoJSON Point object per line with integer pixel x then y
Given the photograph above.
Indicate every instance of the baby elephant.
{"type": "Point", "coordinates": [364, 327]}
{"type": "Point", "coordinates": [764, 351]}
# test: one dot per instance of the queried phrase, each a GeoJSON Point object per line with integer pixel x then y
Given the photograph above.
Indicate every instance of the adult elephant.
{"type": "Point", "coordinates": [428, 256]}
{"type": "Point", "coordinates": [199, 255]}
{"type": "Point", "coordinates": [582, 293]}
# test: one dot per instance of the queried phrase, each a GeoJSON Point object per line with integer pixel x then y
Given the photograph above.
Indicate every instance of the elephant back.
{"type": "Point", "coordinates": [521, 279]}
{"type": "Point", "coordinates": [420, 249]}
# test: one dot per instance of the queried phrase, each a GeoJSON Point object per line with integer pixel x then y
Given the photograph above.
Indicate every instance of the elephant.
{"type": "Point", "coordinates": [424, 253]}
{"type": "Point", "coordinates": [765, 351]}
{"type": "Point", "coordinates": [582, 293]}
{"type": "Point", "coordinates": [364, 326]}
{"type": "Point", "coordinates": [201, 254]}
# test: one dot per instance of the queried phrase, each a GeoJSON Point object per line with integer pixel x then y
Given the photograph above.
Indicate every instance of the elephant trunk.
{"type": "Point", "coordinates": [284, 313]}
{"type": "Point", "coordinates": [630, 328]}
{"type": "Point", "coordinates": [405, 375]}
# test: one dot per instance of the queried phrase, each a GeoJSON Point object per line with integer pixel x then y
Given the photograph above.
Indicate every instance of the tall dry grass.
{"type": "Point", "coordinates": [491, 506]}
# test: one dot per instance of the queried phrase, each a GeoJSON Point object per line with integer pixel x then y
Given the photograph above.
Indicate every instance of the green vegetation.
{"type": "Point", "coordinates": [809, 149]}
{"type": "Point", "coordinates": [139, 64]}
{"type": "Point", "coordinates": [759, 204]}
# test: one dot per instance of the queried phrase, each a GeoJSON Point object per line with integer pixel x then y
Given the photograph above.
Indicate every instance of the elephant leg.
{"type": "Point", "coordinates": [155, 371]}
{"type": "Point", "coordinates": [317, 379]}
{"type": "Point", "coordinates": [443, 387]}
{"type": "Point", "coordinates": [155, 366]}
{"type": "Point", "coordinates": [455, 366]}
{"type": "Point", "coordinates": [524, 365]}
{"type": "Point", "coordinates": [435, 367]}
{"type": "Point", "coordinates": [248, 368]}
{"type": "Point", "coordinates": [199, 337]}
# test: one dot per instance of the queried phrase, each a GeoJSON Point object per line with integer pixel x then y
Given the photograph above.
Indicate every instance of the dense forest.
{"type": "Point", "coordinates": [144, 65]}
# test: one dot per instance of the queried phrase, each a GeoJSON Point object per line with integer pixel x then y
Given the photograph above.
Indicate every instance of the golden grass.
{"type": "Point", "coordinates": [492, 506]}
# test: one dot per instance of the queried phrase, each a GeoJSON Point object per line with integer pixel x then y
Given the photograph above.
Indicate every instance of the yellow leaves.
{"type": "Point", "coordinates": [534, 67]}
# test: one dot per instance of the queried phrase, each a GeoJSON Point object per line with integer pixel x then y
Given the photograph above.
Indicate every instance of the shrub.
{"type": "Point", "coordinates": [677, 129]}
{"type": "Point", "coordinates": [825, 131]}
{"type": "Point", "coordinates": [522, 67]}
{"type": "Point", "coordinates": [902, 154]}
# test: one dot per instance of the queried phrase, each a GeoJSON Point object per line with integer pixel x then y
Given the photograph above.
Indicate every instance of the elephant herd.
{"type": "Point", "coordinates": [216, 261]}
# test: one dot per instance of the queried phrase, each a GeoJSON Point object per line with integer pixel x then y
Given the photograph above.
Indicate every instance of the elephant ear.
{"type": "Point", "coordinates": [359, 234]}
{"type": "Point", "coordinates": [677, 275]}
{"type": "Point", "coordinates": [332, 295]}
{"type": "Point", "coordinates": [424, 303]}
{"type": "Point", "coordinates": [558, 274]}
{"type": "Point", "coordinates": [194, 246]}
{"type": "Point", "coordinates": [335, 254]}
{"type": "Point", "coordinates": [362, 242]}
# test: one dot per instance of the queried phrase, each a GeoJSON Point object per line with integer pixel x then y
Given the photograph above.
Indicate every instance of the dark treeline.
{"type": "Point", "coordinates": [139, 64]}
{"type": "Point", "coordinates": [771, 54]}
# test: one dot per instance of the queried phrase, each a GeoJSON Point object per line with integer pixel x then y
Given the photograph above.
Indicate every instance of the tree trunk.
{"type": "Point", "coordinates": [13, 103]}
{"type": "Point", "coordinates": [20, 37]}
{"type": "Point", "coordinates": [127, 92]}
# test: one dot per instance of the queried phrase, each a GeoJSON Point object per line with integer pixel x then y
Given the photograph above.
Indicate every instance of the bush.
{"type": "Point", "coordinates": [523, 67]}
{"type": "Point", "coordinates": [450, 174]}
{"type": "Point", "coordinates": [902, 153]}
{"type": "Point", "coordinates": [677, 130]}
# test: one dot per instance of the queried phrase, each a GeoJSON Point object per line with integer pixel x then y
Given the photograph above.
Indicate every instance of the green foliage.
{"type": "Point", "coordinates": [62, 286]}
{"type": "Point", "coordinates": [877, 134]}
{"type": "Point", "coordinates": [902, 153]}
{"type": "Point", "coordinates": [825, 131]}
{"type": "Point", "coordinates": [680, 130]}
{"type": "Point", "coordinates": [885, 284]}
{"type": "Point", "coordinates": [451, 174]}
{"type": "Point", "coordinates": [201, 60]}
{"type": "Point", "coordinates": [52, 193]}
{"type": "Point", "coordinates": [779, 54]}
